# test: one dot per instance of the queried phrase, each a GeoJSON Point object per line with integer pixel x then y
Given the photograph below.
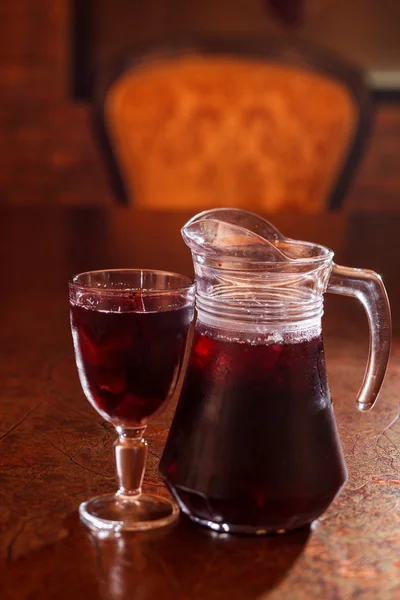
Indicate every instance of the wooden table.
{"type": "Point", "coordinates": [55, 451]}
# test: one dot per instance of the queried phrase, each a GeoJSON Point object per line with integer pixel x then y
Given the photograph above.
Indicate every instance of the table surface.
{"type": "Point", "coordinates": [55, 451]}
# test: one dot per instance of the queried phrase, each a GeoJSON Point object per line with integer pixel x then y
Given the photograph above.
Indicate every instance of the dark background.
{"type": "Point", "coordinates": [47, 151]}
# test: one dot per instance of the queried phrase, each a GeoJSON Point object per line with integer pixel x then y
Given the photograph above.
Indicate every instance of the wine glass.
{"type": "Point", "coordinates": [129, 329]}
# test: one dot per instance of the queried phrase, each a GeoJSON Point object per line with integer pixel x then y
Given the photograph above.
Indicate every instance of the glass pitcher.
{"type": "Point", "coordinates": [253, 446]}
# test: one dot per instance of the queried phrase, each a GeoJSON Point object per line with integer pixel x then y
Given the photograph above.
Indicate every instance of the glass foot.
{"type": "Point", "coordinates": [123, 513]}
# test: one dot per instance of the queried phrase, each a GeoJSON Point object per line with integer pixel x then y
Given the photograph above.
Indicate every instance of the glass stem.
{"type": "Point", "coordinates": [130, 459]}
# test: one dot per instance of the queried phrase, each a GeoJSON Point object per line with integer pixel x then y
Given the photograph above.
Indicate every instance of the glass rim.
{"type": "Point", "coordinates": [72, 283]}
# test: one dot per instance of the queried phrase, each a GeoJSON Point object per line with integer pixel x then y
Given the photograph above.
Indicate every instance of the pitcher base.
{"type": "Point", "coordinates": [240, 529]}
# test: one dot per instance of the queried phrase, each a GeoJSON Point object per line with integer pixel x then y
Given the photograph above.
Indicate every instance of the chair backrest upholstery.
{"type": "Point", "coordinates": [268, 132]}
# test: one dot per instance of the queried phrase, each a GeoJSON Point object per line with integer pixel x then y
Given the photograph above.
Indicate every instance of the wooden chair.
{"type": "Point", "coordinates": [263, 125]}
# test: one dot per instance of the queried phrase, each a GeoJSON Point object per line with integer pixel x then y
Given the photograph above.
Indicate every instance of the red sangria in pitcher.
{"type": "Point", "coordinates": [253, 447]}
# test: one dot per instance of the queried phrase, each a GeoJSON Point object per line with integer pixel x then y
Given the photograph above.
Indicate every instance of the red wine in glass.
{"type": "Point", "coordinates": [129, 361]}
{"type": "Point", "coordinates": [129, 328]}
{"type": "Point", "coordinates": [253, 445]}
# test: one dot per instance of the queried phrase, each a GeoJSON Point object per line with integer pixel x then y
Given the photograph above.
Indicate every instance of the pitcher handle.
{"type": "Point", "coordinates": [367, 286]}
